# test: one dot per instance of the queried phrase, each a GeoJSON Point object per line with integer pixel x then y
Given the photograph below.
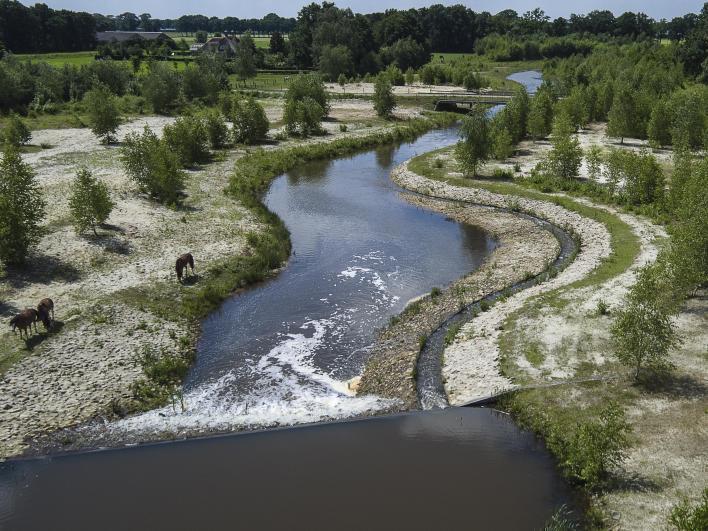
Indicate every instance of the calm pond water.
{"type": "Point", "coordinates": [457, 468]}
{"type": "Point", "coordinates": [280, 354]}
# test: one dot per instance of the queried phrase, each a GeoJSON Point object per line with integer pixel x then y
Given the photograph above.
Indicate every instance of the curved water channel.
{"type": "Point", "coordinates": [281, 354]}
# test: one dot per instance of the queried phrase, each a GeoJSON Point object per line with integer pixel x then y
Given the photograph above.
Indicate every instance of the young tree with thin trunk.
{"type": "Point", "coordinates": [104, 116]}
{"type": "Point", "coordinates": [90, 203]}
{"type": "Point", "coordinates": [622, 115]}
{"type": "Point", "coordinates": [475, 145]}
{"type": "Point", "coordinates": [21, 208]}
{"type": "Point", "coordinates": [245, 60]}
{"type": "Point", "coordinates": [384, 101]}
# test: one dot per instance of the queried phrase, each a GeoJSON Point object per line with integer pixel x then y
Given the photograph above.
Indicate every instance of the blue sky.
{"type": "Point", "coordinates": [249, 9]}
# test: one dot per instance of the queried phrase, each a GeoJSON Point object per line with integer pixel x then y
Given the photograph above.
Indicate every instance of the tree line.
{"type": "Point", "coordinates": [437, 28]}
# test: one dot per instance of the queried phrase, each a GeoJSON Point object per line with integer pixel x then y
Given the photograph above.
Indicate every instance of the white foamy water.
{"type": "Point", "coordinates": [284, 386]}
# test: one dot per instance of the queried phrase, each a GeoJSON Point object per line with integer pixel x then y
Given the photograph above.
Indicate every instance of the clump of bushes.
{"type": "Point", "coordinates": [188, 138]}
{"type": "Point", "coordinates": [152, 164]}
{"type": "Point", "coordinates": [104, 116]}
{"type": "Point", "coordinates": [306, 105]}
{"type": "Point", "coordinates": [250, 124]}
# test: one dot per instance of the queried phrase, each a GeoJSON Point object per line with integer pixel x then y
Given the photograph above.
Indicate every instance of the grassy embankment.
{"type": "Point", "coordinates": [553, 412]}
{"type": "Point", "coordinates": [495, 71]}
{"type": "Point", "coordinates": [269, 248]}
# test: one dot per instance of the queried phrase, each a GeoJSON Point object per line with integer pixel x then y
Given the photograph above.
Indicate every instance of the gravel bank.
{"type": "Point", "coordinates": [471, 363]}
{"type": "Point", "coordinates": [524, 250]}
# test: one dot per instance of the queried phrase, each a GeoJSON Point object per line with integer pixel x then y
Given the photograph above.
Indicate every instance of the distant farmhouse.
{"type": "Point", "coordinates": [124, 36]}
{"type": "Point", "coordinates": [219, 45]}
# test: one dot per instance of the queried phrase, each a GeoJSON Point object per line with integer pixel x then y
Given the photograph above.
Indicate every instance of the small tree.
{"type": "Point", "coordinates": [474, 148]}
{"type": "Point", "coordinates": [622, 115]}
{"type": "Point", "coordinates": [384, 101]}
{"type": "Point", "coordinates": [90, 203]}
{"type": "Point", "coordinates": [565, 158]}
{"type": "Point", "coordinates": [342, 80]}
{"type": "Point", "coordinates": [306, 104]}
{"type": "Point", "coordinates": [593, 158]}
{"type": "Point", "coordinates": [15, 133]}
{"type": "Point", "coordinates": [540, 115]}
{"type": "Point", "coordinates": [201, 36]}
{"type": "Point", "coordinates": [245, 60]}
{"type": "Point", "coordinates": [659, 129]}
{"type": "Point", "coordinates": [161, 87]}
{"type": "Point", "coordinates": [277, 43]}
{"type": "Point", "coordinates": [502, 143]}
{"type": "Point", "coordinates": [21, 208]}
{"type": "Point", "coordinates": [410, 76]}
{"type": "Point", "coordinates": [336, 60]}
{"type": "Point", "coordinates": [250, 121]}
{"type": "Point", "coordinates": [104, 116]}
{"type": "Point", "coordinates": [643, 333]}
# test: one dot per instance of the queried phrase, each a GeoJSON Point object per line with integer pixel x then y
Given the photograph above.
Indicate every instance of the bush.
{"type": "Point", "coordinates": [188, 138]}
{"type": "Point", "coordinates": [384, 102]}
{"type": "Point", "coordinates": [153, 166]}
{"type": "Point", "coordinates": [475, 146]}
{"type": "Point", "coordinates": [686, 518]}
{"type": "Point", "coordinates": [15, 133]}
{"type": "Point", "coordinates": [250, 121]}
{"type": "Point", "coordinates": [310, 86]}
{"type": "Point", "coordinates": [303, 117]}
{"type": "Point", "coordinates": [216, 128]}
{"type": "Point", "coordinates": [597, 446]}
{"type": "Point", "coordinates": [104, 116]}
{"type": "Point", "coordinates": [90, 204]}
{"type": "Point", "coordinates": [21, 208]}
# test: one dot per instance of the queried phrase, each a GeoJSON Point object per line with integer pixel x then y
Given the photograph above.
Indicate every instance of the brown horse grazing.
{"type": "Point", "coordinates": [45, 308]}
{"type": "Point", "coordinates": [24, 321]}
{"type": "Point", "coordinates": [182, 263]}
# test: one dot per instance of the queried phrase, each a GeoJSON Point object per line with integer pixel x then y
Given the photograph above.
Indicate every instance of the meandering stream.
{"type": "Point", "coordinates": [281, 354]}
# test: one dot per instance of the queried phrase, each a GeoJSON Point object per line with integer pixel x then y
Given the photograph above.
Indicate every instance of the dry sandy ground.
{"type": "Point", "coordinates": [416, 88]}
{"type": "Point", "coordinates": [76, 372]}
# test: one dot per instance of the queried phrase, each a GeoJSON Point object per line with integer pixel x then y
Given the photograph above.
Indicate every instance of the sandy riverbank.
{"type": "Point", "coordinates": [86, 366]}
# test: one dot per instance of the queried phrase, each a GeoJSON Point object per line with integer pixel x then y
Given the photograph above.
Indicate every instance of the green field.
{"type": "Point", "coordinates": [60, 59]}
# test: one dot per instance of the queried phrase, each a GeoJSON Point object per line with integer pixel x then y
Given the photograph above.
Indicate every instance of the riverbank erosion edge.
{"type": "Point", "coordinates": [391, 371]}
{"type": "Point", "coordinates": [95, 365]}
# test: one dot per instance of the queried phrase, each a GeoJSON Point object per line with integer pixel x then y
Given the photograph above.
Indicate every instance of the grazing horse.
{"type": "Point", "coordinates": [182, 263]}
{"type": "Point", "coordinates": [45, 308]}
{"type": "Point", "coordinates": [24, 321]}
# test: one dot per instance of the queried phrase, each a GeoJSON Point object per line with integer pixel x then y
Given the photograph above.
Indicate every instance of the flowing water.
{"type": "Point", "coordinates": [281, 353]}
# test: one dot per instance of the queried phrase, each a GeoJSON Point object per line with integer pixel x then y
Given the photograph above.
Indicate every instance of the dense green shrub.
{"type": "Point", "coordinates": [15, 132]}
{"type": "Point", "coordinates": [153, 166]}
{"type": "Point", "coordinates": [685, 517]}
{"type": "Point", "coordinates": [90, 203]}
{"type": "Point", "coordinates": [303, 117]}
{"type": "Point", "coordinates": [216, 128]}
{"type": "Point", "coordinates": [161, 87]}
{"type": "Point", "coordinates": [188, 138]}
{"type": "Point", "coordinates": [250, 124]}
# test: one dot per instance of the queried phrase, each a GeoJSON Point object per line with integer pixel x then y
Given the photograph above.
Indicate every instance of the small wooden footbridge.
{"type": "Point", "coordinates": [460, 101]}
